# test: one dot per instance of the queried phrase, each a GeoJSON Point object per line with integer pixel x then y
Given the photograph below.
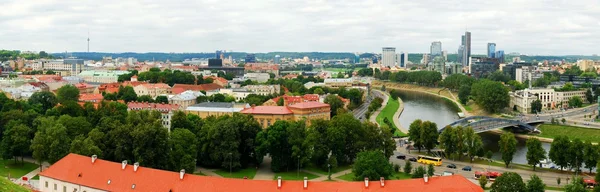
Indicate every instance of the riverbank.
{"type": "Point", "coordinates": [391, 108]}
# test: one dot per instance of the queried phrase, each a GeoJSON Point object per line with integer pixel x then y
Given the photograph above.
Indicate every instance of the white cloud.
{"type": "Point", "coordinates": [553, 27]}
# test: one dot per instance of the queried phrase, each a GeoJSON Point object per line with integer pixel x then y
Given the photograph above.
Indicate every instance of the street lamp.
{"type": "Point", "coordinates": [230, 162]}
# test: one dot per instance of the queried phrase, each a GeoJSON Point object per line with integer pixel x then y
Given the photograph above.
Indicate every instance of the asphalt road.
{"type": "Point", "coordinates": [359, 113]}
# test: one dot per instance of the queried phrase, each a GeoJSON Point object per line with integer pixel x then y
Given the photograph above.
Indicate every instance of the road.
{"type": "Point", "coordinates": [359, 113]}
{"type": "Point", "coordinates": [549, 178]}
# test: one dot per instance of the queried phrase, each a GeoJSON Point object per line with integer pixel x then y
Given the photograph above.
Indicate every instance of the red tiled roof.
{"type": "Point", "coordinates": [308, 105]}
{"type": "Point", "coordinates": [152, 106]}
{"type": "Point", "coordinates": [276, 110]}
{"type": "Point", "coordinates": [311, 97]}
{"type": "Point", "coordinates": [179, 88]}
{"type": "Point", "coordinates": [90, 97]}
{"type": "Point", "coordinates": [221, 79]}
{"type": "Point", "coordinates": [82, 85]}
{"type": "Point", "coordinates": [156, 86]}
{"type": "Point", "coordinates": [80, 170]}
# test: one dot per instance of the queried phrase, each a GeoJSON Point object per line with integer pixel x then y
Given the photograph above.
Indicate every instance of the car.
{"type": "Point", "coordinates": [412, 159]}
{"type": "Point", "coordinates": [401, 156]}
{"type": "Point", "coordinates": [466, 168]}
{"type": "Point", "coordinates": [453, 166]}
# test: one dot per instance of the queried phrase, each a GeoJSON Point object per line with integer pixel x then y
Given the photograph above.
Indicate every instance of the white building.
{"type": "Point", "coordinates": [101, 76]}
{"type": "Point", "coordinates": [238, 94]}
{"type": "Point", "coordinates": [388, 57]}
{"type": "Point", "coordinates": [263, 89]}
{"type": "Point", "coordinates": [258, 77]}
{"type": "Point", "coordinates": [550, 99]}
{"type": "Point", "coordinates": [185, 99]}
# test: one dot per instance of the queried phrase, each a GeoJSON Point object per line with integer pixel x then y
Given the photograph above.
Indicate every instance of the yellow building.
{"type": "Point", "coordinates": [308, 111]}
{"type": "Point", "coordinates": [216, 109]}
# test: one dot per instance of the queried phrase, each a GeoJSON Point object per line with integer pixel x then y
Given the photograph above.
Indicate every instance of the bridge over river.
{"type": "Point", "coordinates": [482, 124]}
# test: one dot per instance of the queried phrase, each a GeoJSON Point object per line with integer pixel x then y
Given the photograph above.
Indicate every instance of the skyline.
{"type": "Point", "coordinates": [297, 26]}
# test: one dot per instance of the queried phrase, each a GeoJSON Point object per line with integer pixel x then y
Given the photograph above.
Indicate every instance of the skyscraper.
{"type": "Point", "coordinates": [218, 54]}
{"type": "Point", "coordinates": [250, 58]}
{"type": "Point", "coordinates": [436, 49]}
{"type": "Point", "coordinates": [403, 60]}
{"type": "Point", "coordinates": [466, 42]}
{"type": "Point", "coordinates": [388, 57]}
{"type": "Point", "coordinates": [500, 55]}
{"type": "Point", "coordinates": [459, 55]}
{"type": "Point", "coordinates": [491, 50]}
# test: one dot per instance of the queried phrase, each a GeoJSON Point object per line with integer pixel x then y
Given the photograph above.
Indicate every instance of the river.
{"type": "Point", "coordinates": [443, 112]}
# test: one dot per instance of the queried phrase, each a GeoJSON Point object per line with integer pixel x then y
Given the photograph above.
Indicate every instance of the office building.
{"type": "Point", "coordinates": [425, 59]}
{"type": "Point", "coordinates": [500, 55]}
{"type": "Point", "coordinates": [439, 64]}
{"type": "Point", "coordinates": [466, 53]}
{"type": "Point", "coordinates": [219, 54]}
{"type": "Point", "coordinates": [482, 66]}
{"type": "Point", "coordinates": [215, 63]}
{"type": "Point", "coordinates": [388, 57]}
{"type": "Point", "coordinates": [436, 49]}
{"type": "Point", "coordinates": [250, 58]}
{"type": "Point", "coordinates": [550, 98]}
{"type": "Point", "coordinates": [445, 55]}
{"type": "Point", "coordinates": [511, 69]}
{"type": "Point", "coordinates": [77, 173]}
{"type": "Point", "coordinates": [491, 50]}
{"type": "Point", "coordinates": [403, 60]}
{"type": "Point", "coordinates": [277, 59]}
{"type": "Point", "coordinates": [356, 58]}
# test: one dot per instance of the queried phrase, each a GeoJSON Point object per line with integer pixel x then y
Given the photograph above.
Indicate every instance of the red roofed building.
{"type": "Point", "coordinates": [152, 89]}
{"type": "Point", "coordinates": [84, 174]}
{"type": "Point", "coordinates": [307, 111]}
{"type": "Point", "coordinates": [114, 87]}
{"type": "Point", "coordinates": [290, 100]}
{"type": "Point", "coordinates": [90, 97]}
{"type": "Point", "coordinates": [262, 68]}
{"type": "Point", "coordinates": [218, 80]}
{"type": "Point", "coordinates": [179, 88]}
{"type": "Point", "coordinates": [167, 110]}
{"type": "Point", "coordinates": [85, 88]}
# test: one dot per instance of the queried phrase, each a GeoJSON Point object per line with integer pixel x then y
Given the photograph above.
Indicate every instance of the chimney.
{"type": "Point", "coordinates": [181, 173]}
{"type": "Point", "coordinates": [305, 182]}
{"type": "Point", "coordinates": [135, 166]}
{"type": "Point", "coordinates": [366, 182]}
{"type": "Point", "coordinates": [94, 157]}
{"type": "Point", "coordinates": [278, 182]}
{"type": "Point", "coordinates": [123, 164]}
{"type": "Point", "coordinates": [382, 181]}
{"type": "Point", "coordinates": [426, 178]}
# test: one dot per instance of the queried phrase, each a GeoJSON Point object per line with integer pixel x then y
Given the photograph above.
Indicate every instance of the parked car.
{"type": "Point", "coordinates": [412, 159]}
{"type": "Point", "coordinates": [401, 156]}
{"type": "Point", "coordinates": [453, 166]}
{"type": "Point", "coordinates": [466, 168]}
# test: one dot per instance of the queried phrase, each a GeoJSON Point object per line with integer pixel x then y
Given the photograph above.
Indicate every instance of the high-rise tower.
{"type": "Point", "coordinates": [388, 56]}
{"type": "Point", "coordinates": [88, 45]}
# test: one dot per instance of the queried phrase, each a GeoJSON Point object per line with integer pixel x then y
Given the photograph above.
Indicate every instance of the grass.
{"type": "Point", "coordinates": [36, 177]}
{"type": "Point", "coordinates": [337, 70]}
{"type": "Point", "coordinates": [468, 108]}
{"type": "Point", "coordinates": [388, 112]}
{"type": "Point", "coordinates": [318, 170]}
{"type": "Point", "coordinates": [15, 170]}
{"type": "Point", "coordinates": [554, 188]}
{"type": "Point", "coordinates": [396, 176]}
{"type": "Point", "coordinates": [6, 185]}
{"type": "Point", "coordinates": [199, 173]}
{"type": "Point", "coordinates": [247, 172]}
{"type": "Point", "coordinates": [293, 175]}
{"type": "Point", "coordinates": [584, 134]}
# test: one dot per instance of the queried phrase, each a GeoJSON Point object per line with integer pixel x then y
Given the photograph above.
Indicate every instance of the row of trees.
{"type": "Point", "coordinates": [573, 154]}
{"type": "Point", "coordinates": [428, 78]}
{"type": "Point", "coordinates": [154, 75]}
{"type": "Point", "coordinates": [457, 141]}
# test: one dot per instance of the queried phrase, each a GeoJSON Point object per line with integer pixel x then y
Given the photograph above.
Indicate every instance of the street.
{"type": "Point", "coordinates": [359, 113]}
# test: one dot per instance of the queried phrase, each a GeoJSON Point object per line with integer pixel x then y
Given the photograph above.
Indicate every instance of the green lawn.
{"type": "Point", "coordinates": [36, 177]}
{"type": "Point", "coordinates": [396, 176]}
{"type": "Point", "coordinates": [337, 70]}
{"type": "Point", "coordinates": [16, 170]}
{"type": "Point", "coordinates": [199, 173]}
{"type": "Point", "coordinates": [6, 185]}
{"type": "Point", "coordinates": [318, 170]}
{"type": "Point", "coordinates": [248, 172]}
{"type": "Point", "coordinates": [555, 188]}
{"type": "Point", "coordinates": [388, 111]}
{"type": "Point", "coordinates": [293, 175]}
{"type": "Point", "coordinates": [585, 134]}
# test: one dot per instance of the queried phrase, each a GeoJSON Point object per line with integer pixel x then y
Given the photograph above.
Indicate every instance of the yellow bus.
{"type": "Point", "coordinates": [429, 160]}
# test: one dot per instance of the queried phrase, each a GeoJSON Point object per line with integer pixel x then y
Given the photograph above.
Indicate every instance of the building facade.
{"type": "Point", "coordinates": [466, 43]}
{"type": "Point", "coordinates": [185, 99]}
{"type": "Point", "coordinates": [306, 111]}
{"type": "Point", "coordinates": [152, 90]}
{"type": "Point", "coordinates": [388, 57]}
{"type": "Point", "coordinates": [166, 110]}
{"type": "Point", "coordinates": [217, 109]}
{"type": "Point", "coordinates": [263, 89]}
{"type": "Point", "coordinates": [550, 99]}
{"type": "Point", "coordinates": [435, 49]}
{"type": "Point", "coordinates": [491, 50]}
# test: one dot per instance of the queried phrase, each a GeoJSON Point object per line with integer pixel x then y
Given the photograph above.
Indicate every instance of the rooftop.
{"type": "Point", "coordinates": [110, 176]}
{"type": "Point", "coordinates": [310, 104]}
{"type": "Point", "coordinates": [276, 110]}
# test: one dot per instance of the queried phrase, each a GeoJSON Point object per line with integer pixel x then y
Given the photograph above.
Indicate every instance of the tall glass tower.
{"type": "Point", "coordinates": [491, 50]}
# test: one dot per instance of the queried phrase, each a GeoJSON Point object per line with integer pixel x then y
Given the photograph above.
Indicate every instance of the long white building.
{"type": "Point", "coordinates": [388, 57]}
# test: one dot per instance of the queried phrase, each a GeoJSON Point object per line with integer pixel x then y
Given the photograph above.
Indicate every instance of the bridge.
{"type": "Point", "coordinates": [482, 124]}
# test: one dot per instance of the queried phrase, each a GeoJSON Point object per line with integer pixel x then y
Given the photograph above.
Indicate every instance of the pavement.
{"type": "Point", "coordinates": [385, 97]}
{"type": "Point", "coordinates": [359, 113]}
{"type": "Point", "coordinates": [264, 171]}
{"type": "Point", "coordinates": [34, 184]}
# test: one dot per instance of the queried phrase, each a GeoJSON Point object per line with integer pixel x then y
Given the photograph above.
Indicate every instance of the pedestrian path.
{"type": "Point", "coordinates": [264, 170]}
{"type": "Point", "coordinates": [207, 172]}
{"type": "Point", "coordinates": [324, 177]}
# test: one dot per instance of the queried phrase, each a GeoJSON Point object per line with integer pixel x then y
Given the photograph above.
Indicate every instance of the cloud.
{"type": "Point", "coordinates": [542, 27]}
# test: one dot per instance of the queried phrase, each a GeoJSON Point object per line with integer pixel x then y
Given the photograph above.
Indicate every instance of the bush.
{"type": "Point", "coordinates": [407, 167]}
{"type": "Point", "coordinates": [396, 168]}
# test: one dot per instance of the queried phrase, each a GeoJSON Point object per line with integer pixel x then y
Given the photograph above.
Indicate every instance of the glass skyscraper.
{"type": "Point", "coordinates": [491, 50]}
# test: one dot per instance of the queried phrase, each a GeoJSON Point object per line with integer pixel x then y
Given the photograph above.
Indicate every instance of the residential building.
{"type": "Point", "coordinates": [64, 67]}
{"type": "Point", "coordinates": [77, 173]}
{"type": "Point", "coordinates": [338, 82]}
{"type": "Point", "coordinates": [101, 76]}
{"type": "Point", "coordinates": [436, 49]}
{"type": "Point", "coordinates": [114, 87]}
{"type": "Point", "coordinates": [186, 98]}
{"type": "Point", "coordinates": [261, 68]}
{"type": "Point", "coordinates": [455, 68]}
{"type": "Point", "coordinates": [311, 84]}
{"type": "Point", "coordinates": [153, 90]}
{"type": "Point", "coordinates": [90, 97]}
{"type": "Point", "coordinates": [258, 77]}
{"type": "Point", "coordinates": [586, 65]}
{"type": "Point", "coordinates": [85, 88]}
{"type": "Point", "coordinates": [263, 89]}
{"type": "Point", "coordinates": [218, 80]}
{"type": "Point", "coordinates": [550, 99]}
{"type": "Point", "coordinates": [290, 100]}
{"type": "Point", "coordinates": [425, 59]}
{"type": "Point", "coordinates": [307, 111]}
{"type": "Point", "coordinates": [439, 65]}
{"type": "Point", "coordinates": [388, 57]}
{"type": "Point", "coordinates": [491, 50]}
{"type": "Point", "coordinates": [22, 92]}
{"type": "Point", "coordinates": [179, 88]}
{"type": "Point", "coordinates": [216, 109]}
{"type": "Point", "coordinates": [239, 94]}
{"type": "Point", "coordinates": [167, 110]}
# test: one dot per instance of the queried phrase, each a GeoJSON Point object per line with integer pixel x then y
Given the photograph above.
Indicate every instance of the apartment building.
{"type": "Point", "coordinates": [167, 110]}
{"type": "Point", "coordinates": [216, 109]}
{"type": "Point", "coordinates": [307, 111]}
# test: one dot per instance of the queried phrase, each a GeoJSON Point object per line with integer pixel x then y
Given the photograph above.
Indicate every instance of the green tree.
{"type": "Point", "coordinates": [67, 93]}
{"type": "Point", "coordinates": [508, 147]}
{"type": "Point", "coordinates": [150, 141]}
{"type": "Point", "coordinates": [145, 98]}
{"type": "Point", "coordinates": [473, 143]}
{"type": "Point", "coordinates": [491, 95]}
{"type": "Point", "coordinates": [447, 140]}
{"type": "Point", "coordinates": [407, 167]}
{"type": "Point", "coordinates": [414, 133]}
{"type": "Point", "coordinates": [508, 181]}
{"type": "Point", "coordinates": [535, 184]}
{"type": "Point", "coordinates": [535, 152]}
{"type": "Point", "coordinates": [590, 155]}
{"type": "Point", "coordinates": [318, 91]}
{"type": "Point", "coordinates": [161, 99]}
{"type": "Point", "coordinates": [201, 99]}
{"type": "Point", "coordinates": [464, 93]}
{"type": "Point", "coordinates": [588, 95]}
{"type": "Point", "coordinates": [575, 101]}
{"type": "Point", "coordinates": [536, 106]}
{"type": "Point", "coordinates": [85, 146]}
{"type": "Point", "coordinates": [559, 149]}
{"type": "Point", "coordinates": [44, 98]}
{"type": "Point", "coordinates": [184, 150]}
{"type": "Point", "coordinates": [127, 94]}
{"type": "Point", "coordinates": [372, 165]}
{"type": "Point", "coordinates": [576, 185]}
{"type": "Point", "coordinates": [575, 154]}
{"type": "Point", "coordinates": [430, 170]}
{"type": "Point", "coordinates": [15, 141]}
{"type": "Point", "coordinates": [334, 102]}
{"type": "Point", "coordinates": [429, 135]}
{"type": "Point", "coordinates": [51, 143]}
{"type": "Point", "coordinates": [217, 98]}
{"type": "Point", "coordinates": [563, 120]}
{"type": "Point", "coordinates": [483, 181]}
{"type": "Point", "coordinates": [419, 172]}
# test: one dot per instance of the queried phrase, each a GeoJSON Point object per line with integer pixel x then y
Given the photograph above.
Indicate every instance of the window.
{"type": "Point", "coordinates": [64, 188]}
{"type": "Point", "coordinates": [55, 187]}
{"type": "Point", "coordinates": [46, 184]}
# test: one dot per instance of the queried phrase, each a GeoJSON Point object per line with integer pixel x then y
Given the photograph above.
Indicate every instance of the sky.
{"type": "Point", "coordinates": [533, 27]}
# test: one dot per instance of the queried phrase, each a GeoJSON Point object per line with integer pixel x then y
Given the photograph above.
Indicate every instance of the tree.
{"type": "Point", "coordinates": [85, 146]}
{"type": "Point", "coordinates": [575, 101]}
{"type": "Point", "coordinates": [184, 150]}
{"type": "Point", "coordinates": [15, 141]}
{"type": "Point", "coordinates": [491, 95]}
{"type": "Point", "coordinates": [563, 120]}
{"type": "Point", "coordinates": [429, 135]}
{"type": "Point", "coordinates": [483, 181]}
{"type": "Point", "coordinates": [430, 170]}
{"type": "Point", "coordinates": [51, 143]}
{"type": "Point", "coordinates": [590, 155]}
{"type": "Point", "coordinates": [536, 106]}
{"type": "Point", "coordinates": [447, 140]}
{"type": "Point", "coordinates": [150, 141]}
{"type": "Point", "coordinates": [372, 165]}
{"type": "Point", "coordinates": [473, 143]}
{"type": "Point", "coordinates": [508, 147]}
{"type": "Point", "coordinates": [508, 181]}
{"type": "Point", "coordinates": [535, 184]}
{"type": "Point", "coordinates": [408, 167]}
{"type": "Point", "coordinates": [127, 94]}
{"type": "Point", "coordinates": [463, 94]}
{"type": "Point", "coordinates": [576, 185]}
{"type": "Point", "coordinates": [414, 134]}
{"type": "Point", "coordinates": [334, 102]}
{"type": "Point", "coordinates": [419, 172]}
{"type": "Point", "coordinates": [588, 95]}
{"type": "Point", "coordinates": [67, 93]}
{"type": "Point", "coordinates": [145, 98]}
{"type": "Point", "coordinates": [575, 154]}
{"type": "Point", "coordinates": [535, 152]}
{"type": "Point", "coordinates": [318, 91]}
{"type": "Point", "coordinates": [44, 98]}
{"type": "Point", "coordinates": [201, 99]}
{"type": "Point", "coordinates": [217, 98]}
{"type": "Point", "coordinates": [559, 151]}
